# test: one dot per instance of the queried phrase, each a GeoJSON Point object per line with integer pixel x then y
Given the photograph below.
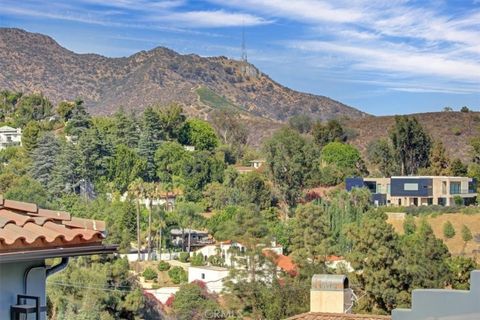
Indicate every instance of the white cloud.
{"type": "Point", "coordinates": [212, 19]}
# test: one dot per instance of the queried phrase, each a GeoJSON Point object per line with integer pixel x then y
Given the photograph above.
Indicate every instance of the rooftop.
{"type": "Point", "coordinates": [336, 316]}
{"type": "Point", "coordinates": [26, 228]}
{"type": "Point", "coordinates": [213, 268]}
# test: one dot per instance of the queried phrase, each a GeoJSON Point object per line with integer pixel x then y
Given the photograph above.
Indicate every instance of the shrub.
{"type": "Point", "coordinates": [197, 260]}
{"type": "Point", "coordinates": [177, 275]}
{"type": "Point", "coordinates": [184, 257]}
{"type": "Point", "coordinates": [448, 230]}
{"type": "Point", "coordinates": [149, 274]}
{"type": "Point", "coordinates": [216, 260]}
{"type": "Point", "coordinates": [163, 266]}
{"type": "Point", "coordinates": [458, 200]}
{"type": "Point", "coordinates": [466, 234]}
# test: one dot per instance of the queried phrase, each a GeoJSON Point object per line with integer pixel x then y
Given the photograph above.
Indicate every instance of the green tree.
{"type": "Point", "coordinates": [465, 109]}
{"type": "Point", "coordinates": [448, 230]}
{"type": "Point", "coordinates": [198, 133]}
{"type": "Point", "coordinates": [439, 161]}
{"type": "Point", "coordinates": [324, 134]}
{"type": "Point", "coordinates": [290, 159]}
{"type": "Point", "coordinates": [253, 188]}
{"type": "Point", "coordinates": [188, 216]}
{"type": "Point", "coordinates": [310, 239]}
{"type": "Point", "coordinates": [28, 190]}
{"type": "Point", "coordinates": [30, 135]}
{"type": "Point", "coordinates": [44, 158]}
{"type": "Point", "coordinates": [171, 120]}
{"type": "Point", "coordinates": [381, 154]}
{"type": "Point", "coordinates": [169, 159]}
{"type": "Point", "coordinates": [124, 167]}
{"type": "Point", "coordinates": [422, 263]}
{"type": "Point", "coordinates": [67, 173]}
{"type": "Point", "coordinates": [126, 131]}
{"type": "Point", "coordinates": [375, 252]}
{"type": "Point", "coordinates": [32, 107]}
{"type": "Point", "coordinates": [458, 169]}
{"type": "Point", "coordinates": [411, 144]}
{"type": "Point", "coordinates": [344, 156]}
{"type": "Point", "coordinates": [65, 110]}
{"type": "Point", "coordinates": [409, 225]}
{"type": "Point", "coordinates": [460, 269]}
{"type": "Point", "coordinates": [150, 139]}
{"type": "Point", "coordinates": [178, 275]}
{"type": "Point", "coordinates": [96, 153]}
{"type": "Point", "coordinates": [302, 123]}
{"type": "Point", "coordinates": [150, 274]}
{"type": "Point", "coordinates": [79, 121]}
{"type": "Point", "coordinates": [198, 170]}
{"type": "Point", "coordinates": [193, 302]}
{"type": "Point", "coordinates": [466, 234]}
{"type": "Point", "coordinates": [197, 259]}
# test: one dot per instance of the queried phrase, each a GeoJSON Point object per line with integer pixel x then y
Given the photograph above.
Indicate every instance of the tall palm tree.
{"type": "Point", "coordinates": [188, 216]}
{"type": "Point", "coordinates": [137, 189]}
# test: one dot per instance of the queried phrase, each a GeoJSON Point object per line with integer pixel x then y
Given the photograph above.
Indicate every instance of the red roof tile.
{"type": "Point", "coordinates": [23, 226]}
{"type": "Point", "coordinates": [283, 262]}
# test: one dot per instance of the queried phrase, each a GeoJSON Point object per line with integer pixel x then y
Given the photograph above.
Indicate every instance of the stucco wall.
{"type": "Point", "coordinates": [444, 304]}
{"type": "Point", "coordinates": [11, 284]}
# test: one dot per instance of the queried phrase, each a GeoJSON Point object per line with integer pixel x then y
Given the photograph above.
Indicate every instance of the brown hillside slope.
{"type": "Point", "coordinates": [454, 129]}
{"type": "Point", "coordinates": [35, 62]}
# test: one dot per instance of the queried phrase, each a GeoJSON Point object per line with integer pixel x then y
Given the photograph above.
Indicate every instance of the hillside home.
{"type": "Point", "coordinates": [167, 199]}
{"type": "Point", "coordinates": [198, 238]}
{"type": "Point", "coordinates": [417, 190]}
{"type": "Point", "coordinates": [212, 276]}
{"type": "Point", "coordinates": [255, 165]}
{"type": "Point", "coordinates": [10, 137]}
{"type": "Point", "coordinates": [28, 236]}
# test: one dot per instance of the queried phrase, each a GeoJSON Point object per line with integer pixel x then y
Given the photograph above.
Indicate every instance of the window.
{"type": "Point", "coordinates": [388, 188]}
{"type": "Point", "coordinates": [203, 276]}
{"type": "Point", "coordinates": [410, 187]}
{"type": "Point", "coordinates": [455, 187]}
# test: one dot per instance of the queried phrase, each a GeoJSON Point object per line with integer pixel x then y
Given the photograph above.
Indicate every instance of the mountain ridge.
{"type": "Point", "coordinates": [36, 62]}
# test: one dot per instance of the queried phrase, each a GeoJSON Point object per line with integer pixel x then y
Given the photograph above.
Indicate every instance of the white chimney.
{"type": "Point", "coordinates": [330, 293]}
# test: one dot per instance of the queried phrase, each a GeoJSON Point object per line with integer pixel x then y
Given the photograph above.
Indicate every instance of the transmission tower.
{"type": "Point", "coordinates": [244, 47]}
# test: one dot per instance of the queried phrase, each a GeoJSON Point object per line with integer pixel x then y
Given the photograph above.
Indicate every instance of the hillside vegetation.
{"type": "Point", "coordinates": [454, 129]}
{"type": "Point", "coordinates": [33, 62]}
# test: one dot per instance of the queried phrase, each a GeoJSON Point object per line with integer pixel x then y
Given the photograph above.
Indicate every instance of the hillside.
{"type": "Point", "coordinates": [35, 62]}
{"type": "Point", "coordinates": [454, 129]}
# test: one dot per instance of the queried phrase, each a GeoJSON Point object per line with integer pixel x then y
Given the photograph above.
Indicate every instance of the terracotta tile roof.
{"type": "Point", "coordinates": [337, 316]}
{"type": "Point", "coordinates": [283, 262]}
{"type": "Point", "coordinates": [23, 226]}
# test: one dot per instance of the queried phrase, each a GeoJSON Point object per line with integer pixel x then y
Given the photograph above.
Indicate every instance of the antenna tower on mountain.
{"type": "Point", "coordinates": [244, 47]}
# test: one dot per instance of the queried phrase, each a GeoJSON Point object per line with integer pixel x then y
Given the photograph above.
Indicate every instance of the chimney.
{"type": "Point", "coordinates": [330, 293]}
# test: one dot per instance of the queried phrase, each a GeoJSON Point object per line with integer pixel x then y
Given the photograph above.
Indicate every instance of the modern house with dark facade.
{"type": "Point", "coordinates": [417, 190]}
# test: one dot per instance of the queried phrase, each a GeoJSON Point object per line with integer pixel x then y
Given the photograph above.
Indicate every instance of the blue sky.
{"type": "Point", "coordinates": [383, 57]}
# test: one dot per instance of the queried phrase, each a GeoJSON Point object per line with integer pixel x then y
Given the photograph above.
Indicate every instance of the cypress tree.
{"type": "Point", "coordinates": [150, 139]}
{"type": "Point", "coordinates": [44, 158]}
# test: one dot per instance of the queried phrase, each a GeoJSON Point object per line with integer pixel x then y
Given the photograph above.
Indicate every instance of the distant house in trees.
{"type": "Point", "coordinates": [189, 148]}
{"type": "Point", "coordinates": [28, 236]}
{"type": "Point", "coordinates": [417, 190]}
{"type": "Point", "coordinates": [198, 238]}
{"type": "Point", "coordinates": [255, 165]}
{"type": "Point", "coordinates": [10, 137]}
{"type": "Point", "coordinates": [166, 199]}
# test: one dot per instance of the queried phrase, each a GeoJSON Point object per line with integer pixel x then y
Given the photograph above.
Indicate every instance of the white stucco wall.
{"type": "Point", "coordinates": [11, 284]}
{"type": "Point", "coordinates": [212, 276]}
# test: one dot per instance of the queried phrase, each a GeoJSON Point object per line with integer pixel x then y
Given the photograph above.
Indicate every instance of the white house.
{"type": "Point", "coordinates": [212, 276]}
{"type": "Point", "coordinates": [10, 137]}
{"type": "Point", "coordinates": [227, 250]}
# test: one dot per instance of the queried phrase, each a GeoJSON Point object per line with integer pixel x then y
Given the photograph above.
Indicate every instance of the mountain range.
{"type": "Point", "coordinates": [34, 62]}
